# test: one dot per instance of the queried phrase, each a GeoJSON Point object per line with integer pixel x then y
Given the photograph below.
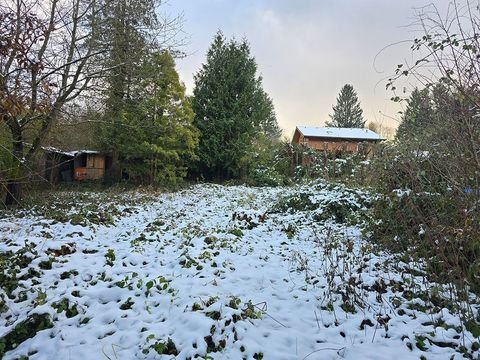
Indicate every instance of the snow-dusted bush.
{"type": "Point", "coordinates": [346, 167]}
{"type": "Point", "coordinates": [431, 207]}
{"type": "Point", "coordinates": [328, 201]}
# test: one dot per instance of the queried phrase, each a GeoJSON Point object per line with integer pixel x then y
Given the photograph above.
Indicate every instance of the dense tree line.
{"type": "Point", "coordinates": [107, 63]}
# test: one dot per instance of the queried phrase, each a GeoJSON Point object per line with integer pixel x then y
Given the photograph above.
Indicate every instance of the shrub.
{"type": "Point", "coordinates": [271, 164]}
{"type": "Point", "coordinates": [430, 178]}
{"type": "Point", "coordinates": [328, 201]}
{"type": "Point", "coordinates": [344, 167]}
{"type": "Point", "coordinates": [266, 176]}
{"type": "Point", "coordinates": [430, 181]}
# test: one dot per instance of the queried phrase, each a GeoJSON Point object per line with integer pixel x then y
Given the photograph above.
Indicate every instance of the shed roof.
{"type": "Point", "coordinates": [342, 133]}
{"type": "Point", "coordinates": [73, 153]}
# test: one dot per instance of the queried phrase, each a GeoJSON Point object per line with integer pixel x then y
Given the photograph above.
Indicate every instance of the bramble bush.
{"type": "Point", "coordinates": [283, 163]}
{"type": "Point", "coordinates": [429, 177]}
{"type": "Point", "coordinates": [428, 214]}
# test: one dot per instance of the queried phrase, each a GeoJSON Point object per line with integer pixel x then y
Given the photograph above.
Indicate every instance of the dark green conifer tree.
{"type": "Point", "coordinates": [418, 115]}
{"type": "Point", "coordinates": [231, 109]}
{"type": "Point", "coordinates": [156, 136]}
{"type": "Point", "coordinates": [347, 113]}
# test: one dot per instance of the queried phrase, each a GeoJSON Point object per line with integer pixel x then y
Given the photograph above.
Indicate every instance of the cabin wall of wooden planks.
{"type": "Point", "coordinates": [95, 166]}
{"type": "Point", "coordinates": [334, 144]}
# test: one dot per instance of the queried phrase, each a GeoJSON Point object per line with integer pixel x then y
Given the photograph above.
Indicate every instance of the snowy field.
{"type": "Point", "coordinates": [215, 272]}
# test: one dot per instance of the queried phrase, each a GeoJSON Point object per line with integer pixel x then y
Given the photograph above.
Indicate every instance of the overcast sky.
{"type": "Point", "coordinates": [306, 50]}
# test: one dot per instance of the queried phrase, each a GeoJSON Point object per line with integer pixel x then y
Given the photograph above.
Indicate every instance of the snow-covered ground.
{"type": "Point", "coordinates": [216, 272]}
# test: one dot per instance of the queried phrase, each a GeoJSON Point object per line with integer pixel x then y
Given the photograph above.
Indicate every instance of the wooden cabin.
{"type": "Point", "coordinates": [76, 165]}
{"type": "Point", "coordinates": [336, 140]}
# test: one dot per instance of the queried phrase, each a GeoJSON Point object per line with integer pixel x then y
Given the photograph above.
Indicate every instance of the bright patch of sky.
{"type": "Point", "coordinates": [306, 50]}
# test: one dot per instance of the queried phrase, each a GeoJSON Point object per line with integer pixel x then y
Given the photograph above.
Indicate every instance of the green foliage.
{"type": "Point", "coordinates": [231, 109]}
{"type": "Point", "coordinates": [353, 169]}
{"type": "Point", "coordinates": [127, 305]}
{"type": "Point", "coordinates": [12, 263]}
{"type": "Point", "coordinates": [161, 347]}
{"type": "Point", "coordinates": [84, 206]}
{"type": "Point", "coordinates": [474, 327]}
{"type": "Point", "coordinates": [68, 274]}
{"type": "Point", "coordinates": [154, 135]}
{"type": "Point", "coordinates": [283, 163]}
{"type": "Point", "coordinates": [85, 320]}
{"type": "Point", "coordinates": [250, 311]}
{"type": "Point", "coordinates": [24, 330]}
{"type": "Point", "coordinates": [343, 205]}
{"type": "Point", "coordinates": [236, 232]}
{"type": "Point", "coordinates": [91, 215]}
{"type": "Point", "coordinates": [46, 264]}
{"type": "Point", "coordinates": [265, 176]}
{"type": "Point", "coordinates": [125, 29]}
{"type": "Point", "coordinates": [271, 163]}
{"type": "Point", "coordinates": [234, 302]}
{"type": "Point", "coordinates": [420, 342]}
{"type": "Point", "coordinates": [110, 257]}
{"type": "Point", "coordinates": [298, 202]}
{"type": "Point", "coordinates": [418, 115]}
{"type": "Point", "coordinates": [148, 119]}
{"type": "Point", "coordinates": [347, 112]}
{"type": "Point", "coordinates": [64, 305]}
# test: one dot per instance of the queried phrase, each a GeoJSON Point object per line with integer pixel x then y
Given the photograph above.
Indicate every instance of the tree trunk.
{"type": "Point", "coordinates": [14, 188]}
{"type": "Point", "coordinates": [116, 169]}
{"type": "Point", "coordinates": [14, 193]}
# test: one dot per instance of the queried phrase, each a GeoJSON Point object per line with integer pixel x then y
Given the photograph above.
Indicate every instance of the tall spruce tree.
{"type": "Point", "coordinates": [347, 113]}
{"type": "Point", "coordinates": [231, 109]}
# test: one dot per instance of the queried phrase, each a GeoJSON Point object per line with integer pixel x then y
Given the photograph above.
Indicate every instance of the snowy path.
{"type": "Point", "coordinates": [214, 270]}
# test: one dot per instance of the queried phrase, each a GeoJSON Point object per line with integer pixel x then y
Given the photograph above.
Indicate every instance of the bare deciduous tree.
{"type": "Point", "coordinates": [47, 52]}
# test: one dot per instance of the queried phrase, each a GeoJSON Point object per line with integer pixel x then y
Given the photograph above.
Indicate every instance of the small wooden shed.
{"type": "Point", "coordinates": [336, 140]}
{"type": "Point", "coordinates": [89, 165]}
{"type": "Point", "coordinates": [75, 165]}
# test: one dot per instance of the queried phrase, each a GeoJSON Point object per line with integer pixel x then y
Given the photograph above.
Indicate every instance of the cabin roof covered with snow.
{"type": "Point", "coordinates": [73, 153]}
{"type": "Point", "coordinates": [339, 133]}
